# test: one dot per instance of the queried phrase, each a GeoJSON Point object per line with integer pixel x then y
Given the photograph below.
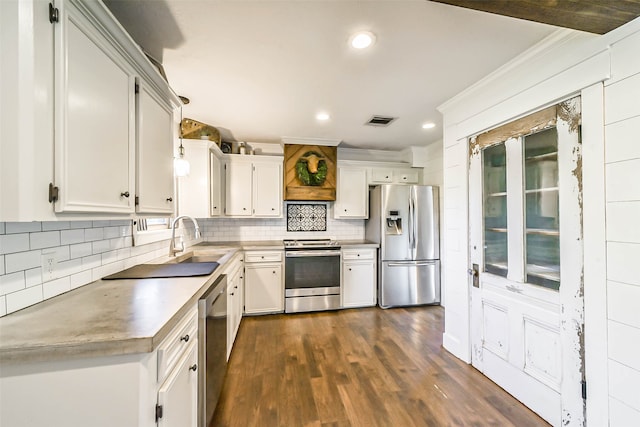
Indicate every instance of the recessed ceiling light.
{"type": "Point", "coordinates": [362, 40]}
{"type": "Point", "coordinates": [322, 116]}
{"type": "Point", "coordinates": [428, 125]}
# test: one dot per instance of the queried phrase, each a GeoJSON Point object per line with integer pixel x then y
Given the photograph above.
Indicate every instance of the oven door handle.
{"type": "Point", "coordinates": [314, 253]}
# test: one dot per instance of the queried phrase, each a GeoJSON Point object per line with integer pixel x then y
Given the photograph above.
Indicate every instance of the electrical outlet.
{"type": "Point", "coordinates": [49, 266]}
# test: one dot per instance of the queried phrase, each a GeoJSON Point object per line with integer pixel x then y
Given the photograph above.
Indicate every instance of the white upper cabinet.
{"type": "Point", "coordinates": [391, 175]}
{"type": "Point", "coordinates": [216, 186]}
{"type": "Point", "coordinates": [267, 189]}
{"type": "Point", "coordinates": [352, 195]}
{"type": "Point", "coordinates": [154, 189]}
{"type": "Point", "coordinates": [253, 186]}
{"type": "Point", "coordinates": [94, 119]}
{"type": "Point", "coordinates": [238, 188]}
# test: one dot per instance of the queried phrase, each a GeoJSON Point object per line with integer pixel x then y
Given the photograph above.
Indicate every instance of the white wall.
{"type": "Point", "coordinates": [622, 168]}
{"type": "Point", "coordinates": [566, 64]}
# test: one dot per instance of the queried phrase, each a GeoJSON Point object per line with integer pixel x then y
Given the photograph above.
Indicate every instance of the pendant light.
{"type": "Point", "coordinates": [181, 166]}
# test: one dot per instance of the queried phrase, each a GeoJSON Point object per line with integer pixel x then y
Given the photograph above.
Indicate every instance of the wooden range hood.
{"type": "Point", "coordinates": [310, 172]}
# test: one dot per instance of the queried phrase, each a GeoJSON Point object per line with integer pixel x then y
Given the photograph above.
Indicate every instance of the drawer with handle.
{"type": "Point", "coordinates": [356, 254]}
{"type": "Point", "coordinates": [176, 343]}
{"type": "Point", "coordinates": [263, 256]}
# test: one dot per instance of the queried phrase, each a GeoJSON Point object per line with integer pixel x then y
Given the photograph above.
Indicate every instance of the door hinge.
{"type": "Point", "coordinates": [158, 412]}
{"type": "Point", "coordinates": [137, 88]}
{"type": "Point", "coordinates": [54, 14]}
{"type": "Point", "coordinates": [53, 193]}
{"type": "Point", "coordinates": [584, 390]}
{"type": "Point", "coordinates": [137, 200]}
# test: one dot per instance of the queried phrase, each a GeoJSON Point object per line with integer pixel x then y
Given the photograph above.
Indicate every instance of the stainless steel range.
{"type": "Point", "coordinates": [312, 275]}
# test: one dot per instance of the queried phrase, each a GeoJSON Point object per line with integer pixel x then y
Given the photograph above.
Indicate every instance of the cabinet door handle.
{"type": "Point", "coordinates": [169, 199]}
{"type": "Point", "coordinates": [274, 272]}
{"type": "Point", "coordinates": [193, 367]}
{"type": "Point", "coordinates": [124, 194]}
{"type": "Point", "coordinates": [349, 268]}
{"type": "Point", "coordinates": [185, 338]}
{"type": "Point", "coordinates": [232, 294]}
{"type": "Point", "coordinates": [235, 287]}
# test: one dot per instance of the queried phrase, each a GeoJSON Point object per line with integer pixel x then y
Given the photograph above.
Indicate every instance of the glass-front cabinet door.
{"type": "Point", "coordinates": [525, 252]}
{"type": "Point", "coordinates": [542, 222]}
{"type": "Point", "coordinates": [495, 209]}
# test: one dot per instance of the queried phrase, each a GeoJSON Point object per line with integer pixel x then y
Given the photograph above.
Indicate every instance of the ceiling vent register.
{"type": "Point", "coordinates": [380, 121]}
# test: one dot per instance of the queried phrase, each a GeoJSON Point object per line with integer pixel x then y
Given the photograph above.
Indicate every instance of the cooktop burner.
{"type": "Point", "coordinates": [310, 243]}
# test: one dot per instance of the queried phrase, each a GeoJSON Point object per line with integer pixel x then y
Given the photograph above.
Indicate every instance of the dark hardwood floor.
{"type": "Point", "coordinates": [365, 367]}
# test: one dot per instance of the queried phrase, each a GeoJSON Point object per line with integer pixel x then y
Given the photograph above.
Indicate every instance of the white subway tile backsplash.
{"type": "Point", "coordinates": [11, 243]}
{"type": "Point", "coordinates": [80, 250]}
{"type": "Point", "coordinates": [3, 305]}
{"type": "Point", "coordinates": [55, 225]}
{"type": "Point", "coordinates": [98, 224]}
{"type": "Point", "coordinates": [12, 282]}
{"type": "Point", "coordinates": [56, 287]}
{"type": "Point", "coordinates": [109, 257]}
{"type": "Point", "coordinates": [100, 246]}
{"type": "Point", "coordinates": [33, 277]}
{"type": "Point", "coordinates": [105, 270]}
{"type": "Point", "coordinates": [22, 261]}
{"type": "Point", "coordinates": [93, 234]}
{"type": "Point", "coordinates": [70, 237]}
{"type": "Point", "coordinates": [46, 239]}
{"type": "Point", "coordinates": [92, 261]}
{"type": "Point", "coordinates": [80, 224]}
{"type": "Point", "coordinates": [62, 252]}
{"type": "Point", "coordinates": [1, 227]}
{"type": "Point", "coordinates": [111, 232]}
{"type": "Point", "coordinates": [22, 227]}
{"type": "Point", "coordinates": [24, 298]}
{"type": "Point", "coordinates": [1, 265]}
{"type": "Point", "coordinates": [67, 268]}
{"type": "Point", "coordinates": [80, 279]}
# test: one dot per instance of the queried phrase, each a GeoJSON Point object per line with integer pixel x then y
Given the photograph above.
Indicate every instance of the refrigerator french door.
{"type": "Point", "coordinates": [404, 220]}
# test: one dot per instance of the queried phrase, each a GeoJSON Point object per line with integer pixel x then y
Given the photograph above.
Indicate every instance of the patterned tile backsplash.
{"type": "Point", "coordinates": [307, 217]}
{"type": "Point", "coordinates": [86, 251]}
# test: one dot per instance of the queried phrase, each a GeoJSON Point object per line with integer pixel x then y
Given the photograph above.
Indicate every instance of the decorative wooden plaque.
{"type": "Point", "coordinates": [310, 172]}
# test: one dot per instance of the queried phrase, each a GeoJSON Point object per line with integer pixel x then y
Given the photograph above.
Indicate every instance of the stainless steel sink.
{"type": "Point", "coordinates": [201, 258]}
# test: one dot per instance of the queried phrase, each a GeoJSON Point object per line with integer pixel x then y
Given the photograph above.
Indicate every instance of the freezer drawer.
{"type": "Point", "coordinates": [409, 283]}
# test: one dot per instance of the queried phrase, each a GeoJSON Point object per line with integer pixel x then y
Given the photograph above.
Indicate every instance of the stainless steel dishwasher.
{"type": "Point", "coordinates": [212, 348]}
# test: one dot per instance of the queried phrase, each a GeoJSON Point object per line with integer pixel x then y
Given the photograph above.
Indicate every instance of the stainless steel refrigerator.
{"type": "Point", "coordinates": [404, 220]}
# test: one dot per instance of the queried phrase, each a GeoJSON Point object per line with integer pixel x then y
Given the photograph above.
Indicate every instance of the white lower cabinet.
{"type": "Point", "coordinates": [133, 390]}
{"type": "Point", "coordinates": [359, 277]}
{"type": "Point", "coordinates": [178, 396]}
{"type": "Point", "coordinates": [264, 285]}
{"type": "Point", "coordinates": [235, 300]}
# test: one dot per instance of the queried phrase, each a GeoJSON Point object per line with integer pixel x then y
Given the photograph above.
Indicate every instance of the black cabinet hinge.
{"type": "Point", "coordinates": [53, 193]}
{"type": "Point", "coordinates": [137, 88]}
{"type": "Point", "coordinates": [137, 200]}
{"type": "Point", "coordinates": [158, 412]}
{"type": "Point", "coordinates": [584, 390]}
{"type": "Point", "coordinates": [54, 14]}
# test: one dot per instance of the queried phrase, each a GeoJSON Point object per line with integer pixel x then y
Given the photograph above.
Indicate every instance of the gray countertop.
{"type": "Point", "coordinates": [114, 317]}
{"type": "Point", "coordinates": [103, 318]}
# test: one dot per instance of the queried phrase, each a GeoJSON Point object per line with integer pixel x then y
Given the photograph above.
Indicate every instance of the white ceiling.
{"type": "Point", "coordinates": [261, 70]}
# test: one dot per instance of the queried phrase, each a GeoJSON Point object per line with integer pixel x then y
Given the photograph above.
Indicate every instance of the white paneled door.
{"type": "Point", "coordinates": [525, 202]}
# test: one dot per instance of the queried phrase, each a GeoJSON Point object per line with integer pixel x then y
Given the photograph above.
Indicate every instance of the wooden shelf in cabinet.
{"type": "Point", "coordinates": [543, 231]}
{"type": "Point", "coordinates": [541, 190]}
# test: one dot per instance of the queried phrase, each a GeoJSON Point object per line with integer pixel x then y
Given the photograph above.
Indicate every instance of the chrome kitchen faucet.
{"type": "Point", "coordinates": [173, 248]}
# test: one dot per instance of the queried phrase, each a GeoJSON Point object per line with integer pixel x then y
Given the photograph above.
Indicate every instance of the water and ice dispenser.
{"type": "Point", "coordinates": [394, 223]}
